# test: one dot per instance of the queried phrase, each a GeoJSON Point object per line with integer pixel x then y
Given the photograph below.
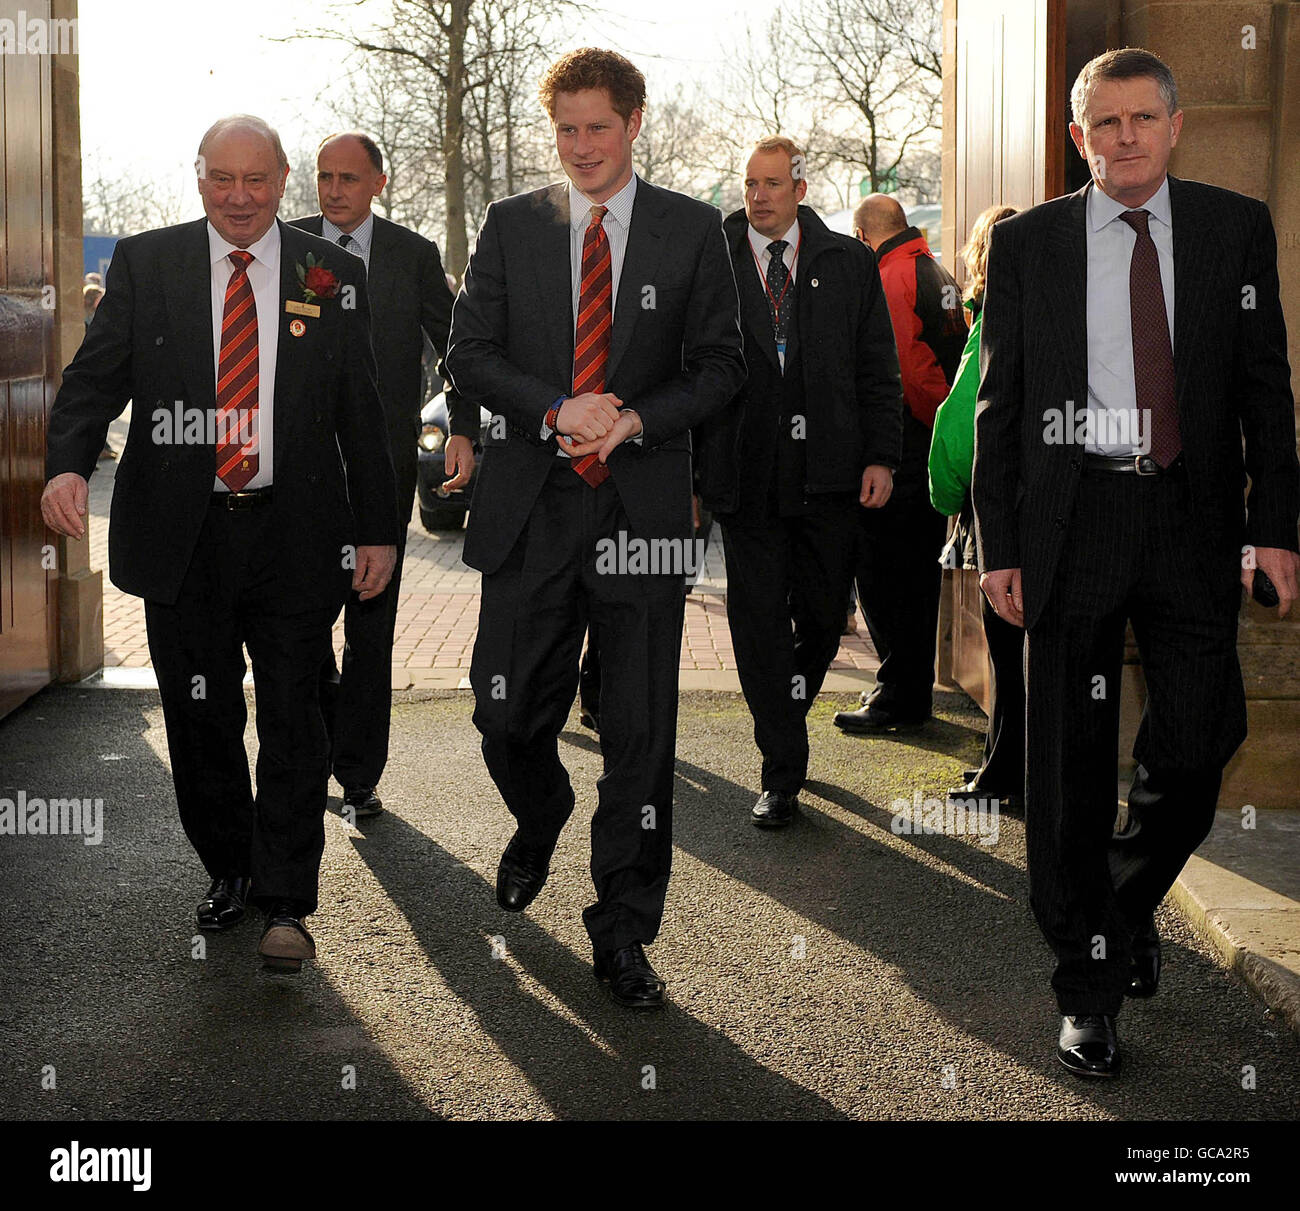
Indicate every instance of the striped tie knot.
{"type": "Point", "coordinates": [597, 214]}
{"type": "Point", "coordinates": [242, 259]}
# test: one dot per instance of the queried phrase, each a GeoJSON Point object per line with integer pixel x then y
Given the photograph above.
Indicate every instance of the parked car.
{"type": "Point", "coordinates": [441, 510]}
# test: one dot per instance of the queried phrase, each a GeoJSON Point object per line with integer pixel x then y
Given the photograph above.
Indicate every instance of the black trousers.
{"type": "Point", "coordinates": [1132, 552]}
{"type": "Point", "coordinates": [787, 580]}
{"type": "Point", "coordinates": [533, 613]}
{"type": "Point", "coordinates": [1002, 769]}
{"type": "Point", "coordinates": [232, 595]}
{"type": "Point", "coordinates": [357, 700]}
{"type": "Point", "coordinates": [899, 581]}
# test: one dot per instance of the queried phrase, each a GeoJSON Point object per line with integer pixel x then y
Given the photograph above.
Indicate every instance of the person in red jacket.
{"type": "Point", "coordinates": [899, 577]}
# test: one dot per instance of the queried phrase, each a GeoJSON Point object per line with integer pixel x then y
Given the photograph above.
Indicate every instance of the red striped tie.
{"type": "Point", "coordinates": [237, 380]}
{"type": "Point", "coordinates": [595, 322]}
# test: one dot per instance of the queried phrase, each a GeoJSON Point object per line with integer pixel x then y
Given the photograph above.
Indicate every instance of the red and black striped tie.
{"type": "Point", "coordinates": [595, 322]}
{"type": "Point", "coordinates": [237, 380]}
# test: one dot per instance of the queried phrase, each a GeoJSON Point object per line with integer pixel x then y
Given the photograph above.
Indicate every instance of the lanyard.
{"type": "Point", "coordinates": [789, 277]}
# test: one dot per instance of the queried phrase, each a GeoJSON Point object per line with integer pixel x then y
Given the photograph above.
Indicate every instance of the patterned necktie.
{"type": "Point", "coordinates": [344, 240]}
{"type": "Point", "coordinates": [595, 323]}
{"type": "Point", "coordinates": [778, 280]}
{"type": "Point", "coordinates": [1153, 352]}
{"type": "Point", "coordinates": [237, 380]}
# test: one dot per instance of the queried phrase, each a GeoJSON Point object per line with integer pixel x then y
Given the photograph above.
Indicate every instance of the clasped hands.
{"type": "Point", "coordinates": [594, 424]}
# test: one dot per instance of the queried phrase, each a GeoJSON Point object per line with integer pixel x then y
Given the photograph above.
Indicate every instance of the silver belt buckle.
{"type": "Point", "coordinates": [1144, 464]}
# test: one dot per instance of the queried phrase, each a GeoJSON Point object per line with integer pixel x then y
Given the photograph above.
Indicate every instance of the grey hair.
{"type": "Point", "coordinates": [1123, 64]}
{"type": "Point", "coordinates": [245, 122]}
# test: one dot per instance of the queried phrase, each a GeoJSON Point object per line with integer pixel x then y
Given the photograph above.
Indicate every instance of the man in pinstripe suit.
{"type": "Point", "coordinates": [1134, 372]}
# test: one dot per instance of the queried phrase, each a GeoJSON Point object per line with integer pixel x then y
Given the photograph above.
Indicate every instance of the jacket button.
{"type": "Point", "coordinates": [1060, 523]}
{"type": "Point", "coordinates": [164, 465]}
{"type": "Point", "coordinates": [815, 282]}
{"type": "Point", "coordinates": [1074, 464]}
{"type": "Point", "coordinates": [158, 340]}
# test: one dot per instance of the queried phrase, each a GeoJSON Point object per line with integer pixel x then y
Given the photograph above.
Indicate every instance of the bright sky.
{"type": "Point", "coordinates": [152, 80]}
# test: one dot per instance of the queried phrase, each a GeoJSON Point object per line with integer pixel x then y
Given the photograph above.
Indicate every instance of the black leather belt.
{"type": "Point", "coordinates": [249, 499]}
{"type": "Point", "coordinates": [1126, 464]}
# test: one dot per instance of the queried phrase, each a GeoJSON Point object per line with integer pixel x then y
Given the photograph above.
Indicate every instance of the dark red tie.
{"type": "Point", "coordinates": [595, 322]}
{"type": "Point", "coordinates": [237, 380]}
{"type": "Point", "coordinates": [1153, 351]}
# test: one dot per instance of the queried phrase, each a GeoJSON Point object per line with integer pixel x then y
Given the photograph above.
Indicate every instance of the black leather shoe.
{"type": "Point", "coordinates": [1088, 1045]}
{"type": "Point", "coordinates": [285, 941]}
{"type": "Point", "coordinates": [774, 809]}
{"type": "Point", "coordinates": [1010, 804]}
{"type": "Point", "coordinates": [362, 802]}
{"type": "Point", "coordinates": [870, 720]}
{"type": "Point", "coordinates": [224, 905]}
{"type": "Point", "coordinates": [1145, 978]}
{"type": "Point", "coordinates": [521, 875]}
{"type": "Point", "coordinates": [633, 983]}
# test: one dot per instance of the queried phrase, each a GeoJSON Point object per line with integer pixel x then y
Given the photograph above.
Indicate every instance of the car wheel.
{"type": "Point", "coordinates": [444, 517]}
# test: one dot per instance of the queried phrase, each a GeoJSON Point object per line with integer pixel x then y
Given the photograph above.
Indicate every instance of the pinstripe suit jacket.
{"type": "Point", "coordinates": [1232, 381]}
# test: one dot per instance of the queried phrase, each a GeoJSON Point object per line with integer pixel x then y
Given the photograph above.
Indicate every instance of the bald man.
{"type": "Point", "coordinates": [898, 576]}
{"type": "Point", "coordinates": [255, 487]}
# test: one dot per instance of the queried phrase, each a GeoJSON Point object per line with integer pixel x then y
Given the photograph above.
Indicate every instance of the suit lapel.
{"type": "Point", "coordinates": [379, 274]}
{"type": "Point", "coordinates": [192, 324]}
{"type": "Point", "coordinates": [553, 277]}
{"type": "Point", "coordinates": [1197, 256]}
{"type": "Point", "coordinates": [753, 299]}
{"type": "Point", "coordinates": [1065, 290]}
{"type": "Point", "coordinates": [289, 349]}
{"type": "Point", "coordinates": [645, 245]}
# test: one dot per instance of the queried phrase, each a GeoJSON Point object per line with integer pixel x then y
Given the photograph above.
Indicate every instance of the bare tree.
{"type": "Point", "coordinates": [121, 203]}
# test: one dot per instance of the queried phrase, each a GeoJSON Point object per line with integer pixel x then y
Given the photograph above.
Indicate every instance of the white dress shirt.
{"type": "Point", "coordinates": [264, 277]}
{"type": "Point", "coordinates": [762, 258]}
{"type": "Point", "coordinates": [359, 241]}
{"type": "Point", "coordinates": [1112, 390]}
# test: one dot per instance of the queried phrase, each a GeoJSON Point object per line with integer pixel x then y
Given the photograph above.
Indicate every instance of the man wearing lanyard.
{"type": "Point", "coordinates": [815, 432]}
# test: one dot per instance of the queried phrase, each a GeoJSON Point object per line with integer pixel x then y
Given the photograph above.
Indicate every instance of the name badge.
{"type": "Point", "coordinates": [293, 307]}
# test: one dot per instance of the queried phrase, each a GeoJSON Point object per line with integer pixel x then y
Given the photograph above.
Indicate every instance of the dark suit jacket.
{"type": "Point", "coordinates": [849, 382]}
{"type": "Point", "coordinates": [409, 299]}
{"type": "Point", "coordinates": [151, 343]}
{"type": "Point", "coordinates": [1231, 374]}
{"type": "Point", "coordinates": [675, 354]}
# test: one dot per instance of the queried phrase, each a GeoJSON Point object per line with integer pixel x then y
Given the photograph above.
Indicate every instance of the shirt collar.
{"type": "Point", "coordinates": [619, 206]}
{"type": "Point", "coordinates": [265, 248]}
{"type": "Point", "coordinates": [361, 236]}
{"type": "Point", "coordinates": [1103, 209]}
{"type": "Point", "coordinates": [759, 242]}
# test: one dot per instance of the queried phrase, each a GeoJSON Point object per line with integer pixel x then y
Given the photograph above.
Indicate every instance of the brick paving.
{"type": "Point", "coordinates": [437, 613]}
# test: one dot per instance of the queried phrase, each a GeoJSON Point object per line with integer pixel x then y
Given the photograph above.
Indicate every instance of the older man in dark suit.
{"type": "Point", "coordinates": [599, 321]}
{"type": "Point", "coordinates": [1133, 346]}
{"type": "Point", "coordinates": [409, 301]}
{"type": "Point", "coordinates": [255, 486]}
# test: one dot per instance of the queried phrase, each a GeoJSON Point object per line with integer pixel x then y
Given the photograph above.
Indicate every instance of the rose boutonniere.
{"type": "Point", "coordinates": [317, 282]}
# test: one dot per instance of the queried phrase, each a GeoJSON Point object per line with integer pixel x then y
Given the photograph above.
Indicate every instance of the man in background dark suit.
{"type": "Point", "coordinates": [409, 300]}
{"type": "Point", "coordinates": [254, 486]}
{"type": "Point", "coordinates": [899, 578]}
{"type": "Point", "coordinates": [598, 318]}
{"type": "Point", "coordinates": [812, 439]}
{"type": "Point", "coordinates": [1108, 488]}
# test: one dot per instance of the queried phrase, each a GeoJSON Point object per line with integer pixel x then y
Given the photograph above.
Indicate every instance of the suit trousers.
{"type": "Point", "coordinates": [900, 579]}
{"type": "Point", "coordinates": [232, 596]}
{"type": "Point", "coordinates": [787, 580]}
{"type": "Point", "coordinates": [533, 613]}
{"type": "Point", "coordinates": [1002, 768]}
{"type": "Point", "coordinates": [357, 700]}
{"type": "Point", "coordinates": [1132, 553]}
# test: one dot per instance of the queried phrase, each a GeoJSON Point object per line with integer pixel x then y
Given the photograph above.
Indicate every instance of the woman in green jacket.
{"type": "Point", "coordinates": [1001, 774]}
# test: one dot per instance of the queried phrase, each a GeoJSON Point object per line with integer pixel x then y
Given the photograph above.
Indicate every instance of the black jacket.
{"type": "Point", "coordinates": [675, 355]}
{"type": "Point", "coordinates": [409, 299]}
{"type": "Point", "coordinates": [1232, 382]}
{"type": "Point", "coordinates": [846, 349]}
{"type": "Point", "coordinates": [151, 343]}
